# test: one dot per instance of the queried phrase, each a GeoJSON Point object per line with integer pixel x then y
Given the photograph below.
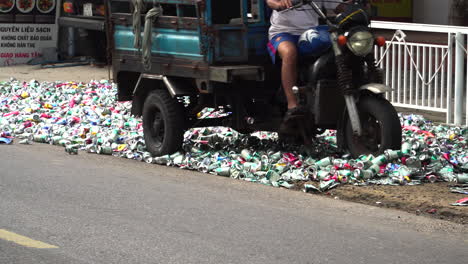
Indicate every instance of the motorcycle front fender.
{"type": "Point", "coordinates": [376, 88]}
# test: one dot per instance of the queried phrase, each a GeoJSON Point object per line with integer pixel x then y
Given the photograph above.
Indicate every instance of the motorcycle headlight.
{"type": "Point", "coordinates": [361, 43]}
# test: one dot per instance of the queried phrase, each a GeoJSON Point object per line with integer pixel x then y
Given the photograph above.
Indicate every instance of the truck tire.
{"type": "Point", "coordinates": [163, 123]}
{"type": "Point", "coordinates": [381, 128]}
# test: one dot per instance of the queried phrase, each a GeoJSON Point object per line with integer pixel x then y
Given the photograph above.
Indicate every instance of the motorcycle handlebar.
{"type": "Point", "coordinates": [314, 6]}
{"type": "Point", "coordinates": [299, 3]}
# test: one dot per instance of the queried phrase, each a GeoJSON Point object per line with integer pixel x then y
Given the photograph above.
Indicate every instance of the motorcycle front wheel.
{"type": "Point", "coordinates": [381, 128]}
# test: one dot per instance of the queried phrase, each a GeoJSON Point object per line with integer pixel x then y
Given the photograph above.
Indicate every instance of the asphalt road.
{"type": "Point", "coordinates": [101, 209]}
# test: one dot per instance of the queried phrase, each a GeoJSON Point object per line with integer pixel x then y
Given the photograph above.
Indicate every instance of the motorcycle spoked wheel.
{"type": "Point", "coordinates": [381, 128]}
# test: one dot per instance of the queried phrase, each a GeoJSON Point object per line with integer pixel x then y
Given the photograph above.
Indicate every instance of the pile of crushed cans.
{"type": "Point", "coordinates": [86, 117]}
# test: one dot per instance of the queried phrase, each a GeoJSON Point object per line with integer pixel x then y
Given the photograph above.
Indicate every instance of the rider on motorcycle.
{"type": "Point", "coordinates": [296, 32]}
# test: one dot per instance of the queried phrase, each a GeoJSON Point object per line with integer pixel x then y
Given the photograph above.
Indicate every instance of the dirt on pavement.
{"type": "Point", "coordinates": [433, 200]}
{"type": "Point", "coordinates": [429, 199]}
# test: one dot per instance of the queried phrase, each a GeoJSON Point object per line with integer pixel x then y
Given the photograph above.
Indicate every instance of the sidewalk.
{"type": "Point", "coordinates": [77, 73]}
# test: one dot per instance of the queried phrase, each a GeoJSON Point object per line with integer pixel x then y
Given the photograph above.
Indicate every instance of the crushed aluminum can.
{"type": "Point", "coordinates": [137, 156]}
{"type": "Point", "coordinates": [251, 166]}
{"type": "Point", "coordinates": [40, 138]}
{"type": "Point", "coordinates": [459, 190]}
{"type": "Point", "coordinates": [375, 168]}
{"type": "Point", "coordinates": [413, 163]}
{"type": "Point", "coordinates": [461, 202]}
{"type": "Point", "coordinates": [325, 162]}
{"type": "Point", "coordinates": [91, 148]}
{"type": "Point", "coordinates": [447, 174]}
{"type": "Point", "coordinates": [147, 157]}
{"type": "Point", "coordinates": [363, 174]}
{"type": "Point", "coordinates": [462, 178]}
{"type": "Point", "coordinates": [281, 167]}
{"type": "Point", "coordinates": [104, 150]}
{"type": "Point", "coordinates": [434, 166]}
{"type": "Point", "coordinates": [6, 140]}
{"type": "Point", "coordinates": [405, 148]}
{"type": "Point", "coordinates": [431, 178]}
{"type": "Point", "coordinates": [25, 141]}
{"type": "Point", "coordinates": [64, 142]}
{"type": "Point", "coordinates": [328, 185]}
{"type": "Point", "coordinates": [339, 163]}
{"type": "Point", "coordinates": [273, 176]}
{"type": "Point", "coordinates": [286, 185]}
{"type": "Point", "coordinates": [359, 165]}
{"type": "Point", "coordinates": [398, 179]}
{"type": "Point", "coordinates": [162, 160]}
{"type": "Point", "coordinates": [365, 161]}
{"type": "Point", "coordinates": [403, 171]}
{"type": "Point", "coordinates": [311, 171]}
{"type": "Point", "coordinates": [246, 154]}
{"type": "Point", "coordinates": [393, 154]}
{"type": "Point", "coordinates": [344, 173]}
{"type": "Point", "coordinates": [380, 160]}
{"type": "Point", "coordinates": [294, 174]}
{"type": "Point", "coordinates": [310, 188]}
{"type": "Point", "coordinates": [178, 159]}
{"type": "Point", "coordinates": [55, 140]}
{"type": "Point", "coordinates": [223, 171]}
{"type": "Point", "coordinates": [322, 174]}
{"type": "Point", "coordinates": [275, 157]}
{"type": "Point", "coordinates": [72, 149]}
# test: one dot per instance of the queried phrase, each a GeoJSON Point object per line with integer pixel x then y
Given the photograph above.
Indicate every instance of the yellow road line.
{"type": "Point", "coordinates": [22, 240]}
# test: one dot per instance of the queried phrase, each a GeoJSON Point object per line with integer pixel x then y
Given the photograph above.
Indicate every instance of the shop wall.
{"type": "Point", "coordinates": [432, 11]}
{"type": "Point", "coordinates": [26, 28]}
{"type": "Point", "coordinates": [439, 12]}
{"type": "Point", "coordinates": [392, 10]}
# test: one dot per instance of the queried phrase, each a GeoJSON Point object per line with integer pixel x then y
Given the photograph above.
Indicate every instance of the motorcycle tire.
{"type": "Point", "coordinates": [381, 128]}
{"type": "Point", "coordinates": [163, 123]}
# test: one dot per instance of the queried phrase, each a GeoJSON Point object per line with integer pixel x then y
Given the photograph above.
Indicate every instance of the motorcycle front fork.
{"type": "Point", "coordinates": [344, 81]}
{"type": "Point", "coordinates": [353, 115]}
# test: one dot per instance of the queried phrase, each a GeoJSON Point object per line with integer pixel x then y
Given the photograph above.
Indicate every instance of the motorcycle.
{"type": "Point", "coordinates": [343, 90]}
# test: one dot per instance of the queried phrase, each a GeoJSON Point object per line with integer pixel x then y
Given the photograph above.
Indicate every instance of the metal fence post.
{"type": "Point", "coordinates": [466, 91]}
{"type": "Point", "coordinates": [449, 78]}
{"type": "Point", "coordinates": [459, 77]}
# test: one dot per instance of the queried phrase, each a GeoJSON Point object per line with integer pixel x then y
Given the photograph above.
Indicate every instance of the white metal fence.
{"type": "Point", "coordinates": [429, 77]}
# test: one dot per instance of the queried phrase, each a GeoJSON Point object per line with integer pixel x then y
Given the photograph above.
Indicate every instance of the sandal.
{"type": "Point", "coordinates": [294, 113]}
{"type": "Point", "coordinates": [287, 126]}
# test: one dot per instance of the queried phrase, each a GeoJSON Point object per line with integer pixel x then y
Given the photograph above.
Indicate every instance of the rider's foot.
{"type": "Point", "coordinates": [292, 114]}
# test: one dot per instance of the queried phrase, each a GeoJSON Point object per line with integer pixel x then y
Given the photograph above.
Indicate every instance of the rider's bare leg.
{"type": "Point", "coordinates": [288, 53]}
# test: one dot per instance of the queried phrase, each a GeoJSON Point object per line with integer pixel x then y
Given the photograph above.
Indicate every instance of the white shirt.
{"type": "Point", "coordinates": [296, 21]}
